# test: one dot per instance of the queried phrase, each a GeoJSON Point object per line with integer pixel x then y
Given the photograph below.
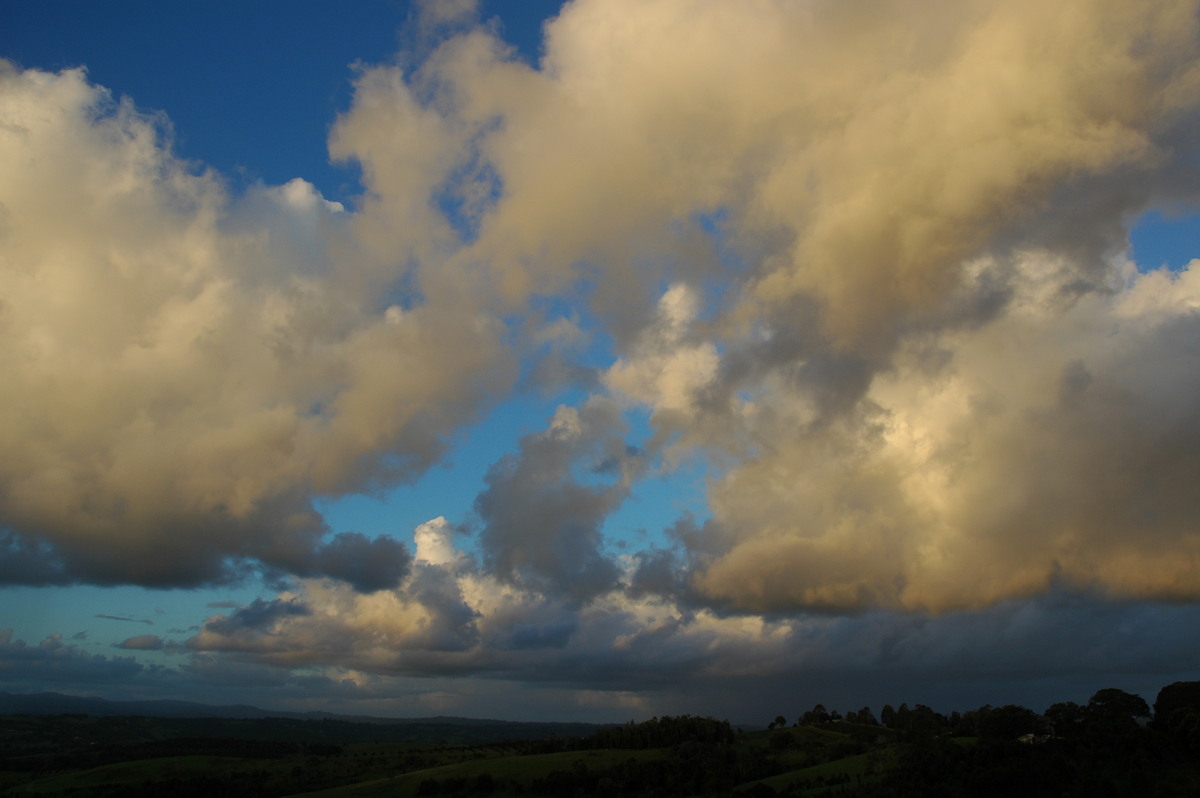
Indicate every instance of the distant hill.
{"type": "Point", "coordinates": [60, 704]}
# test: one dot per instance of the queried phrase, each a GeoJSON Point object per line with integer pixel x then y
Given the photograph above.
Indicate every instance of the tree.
{"type": "Point", "coordinates": [1175, 696]}
{"type": "Point", "coordinates": [1008, 722]}
{"type": "Point", "coordinates": [923, 720]}
{"type": "Point", "coordinates": [862, 717]}
{"type": "Point", "coordinates": [1066, 719]}
{"type": "Point", "coordinates": [815, 716]}
{"type": "Point", "coordinates": [1177, 712]}
{"type": "Point", "coordinates": [1117, 710]}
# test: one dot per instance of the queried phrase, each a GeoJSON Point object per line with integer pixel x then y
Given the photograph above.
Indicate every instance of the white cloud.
{"type": "Point", "coordinates": [666, 369]}
{"type": "Point", "coordinates": [1045, 447]}
{"type": "Point", "coordinates": [185, 373]}
{"type": "Point", "coordinates": [435, 544]}
{"type": "Point", "coordinates": [865, 258]}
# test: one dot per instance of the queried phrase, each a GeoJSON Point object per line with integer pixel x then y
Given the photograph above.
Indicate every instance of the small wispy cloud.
{"type": "Point", "coordinates": [123, 618]}
{"type": "Point", "coordinates": [141, 643]}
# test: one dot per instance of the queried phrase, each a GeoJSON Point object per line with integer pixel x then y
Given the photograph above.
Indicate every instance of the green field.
{"type": "Point", "coordinates": [980, 752]}
{"type": "Point", "coordinates": [189, 768]}
{"type": "Point", "coordinates": [512, 775]}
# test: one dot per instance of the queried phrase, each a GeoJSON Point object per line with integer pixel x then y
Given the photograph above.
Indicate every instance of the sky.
{"type": "Point", "coordinates": [599, 360]}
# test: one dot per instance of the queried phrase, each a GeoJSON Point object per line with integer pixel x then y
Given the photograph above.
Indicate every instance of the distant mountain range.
{"type": "Point", "coordinates": [59, 704]}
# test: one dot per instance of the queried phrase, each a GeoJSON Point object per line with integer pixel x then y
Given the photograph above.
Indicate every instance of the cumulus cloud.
{"type": "Point", "coordinates": [1048, 446]}
{"type": "Point", "coordinates": [440, 12]}
{"type": "Point", "coordinates": [257, 615]}
{"type": "Point", "coordinates": [418, 629]}
{"type": "Point", "coordinates": [896, 192]}
{"type": "Point", "coordinates": [860, 155]}
{"type": "Point", "coordinates": [186, 373]}
{"type": "Point", "coordinates": [362, 562]}
{"type": "Point", "coordinates": [866, 262]}
{"type": "Point", "coordinates": [669, 658]}
{"type": "Point", "coordinates": [883, 186]}
{"type": "Point", "coordinates": [29, 560]}
{"type": "Point", "coordinates": [666, 370]}
{"type": "Point", "coordinates": [142, 643]}
{"type": "Point", "coordinates": [52, 660]}
{"type": "Point", "coordinates": [542, 520]}
{"type": "Point", "coordinates": [435, 543]}
{"type": "Point", "coordinates": [190, 371]}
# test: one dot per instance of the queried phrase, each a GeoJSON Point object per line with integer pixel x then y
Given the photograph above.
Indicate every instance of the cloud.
{"type": "Point", "coordinates": [666, 370]}
{"type": "Point", "coordinates": [435, 543]}
{"type": "Point", "coordinates": [865, 263]}
{"type": "Point", "coordinates": [256, 615]}
{"type": "Point", "coordinates": [861, 155]}
{"type": "Point", "coordinates": [891, 198]}
{"type": "Point", "coordinates": [28, 560]}
{"type": "Point", "coordinates": [818, 184]}
{"type": "Point", "coordinates": [53, 661]}
{"type": "Point", "coordinates": [441, 12]}
{"type": "Point", "coordinates": [669, 658]}
{"type": "Point", "coordinates": [189, 371]}
{"type": "Point", "coordinates": [141, 643]}
{"type": "Point", "coordinates": [895, 198]}
{"type": "Point", "coordinates": [423, 628]}
{"type": "Point", "coordinates": [362, 562]}
{"type": "Point", "coordinates": [541, 522]}
{"type": "Point", "coordinates": [124, 618]}
{"type": "Point", "coordinates": [1048, 446]}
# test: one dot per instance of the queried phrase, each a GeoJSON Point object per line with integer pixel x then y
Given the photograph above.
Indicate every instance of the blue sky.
{"type": "Point", "coordinates": [250, 90]}
{"type": "Point", "coordinates": [597, 361]}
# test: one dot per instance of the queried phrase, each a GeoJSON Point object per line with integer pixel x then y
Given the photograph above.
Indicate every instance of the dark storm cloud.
{"type": "Point", "coordinates": [1062, 646]}
{"type": "Point", "coordinates": [54, 662]}
{"type": "Point", "coordinates": [450, 623]}
{"type": "Point", "coordinates": [657, 573]}
{"type": "Point", "coordinates": [30, 561]}
{"type": "Point", "coordinates": [541, 521]}
{"type": "Point", "coordinates": [258, 614]}
{"type": "Point", "coordinates": [531, 636]}
{"type": "Point", "coordinates": [366, 564]}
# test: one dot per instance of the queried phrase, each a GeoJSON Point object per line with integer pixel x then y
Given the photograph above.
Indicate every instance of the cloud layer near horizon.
{"type": "Point", "coordinates": [866, 262]}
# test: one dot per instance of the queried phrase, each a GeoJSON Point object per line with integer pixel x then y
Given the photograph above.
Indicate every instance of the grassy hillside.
{"type": "Point", "coordinates": [1113, 746]}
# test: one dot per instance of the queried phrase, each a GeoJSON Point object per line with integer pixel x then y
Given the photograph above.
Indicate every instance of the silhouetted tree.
{"type": "Point", "coordinates": [1177, 712]}
{"type": "Point", "coordinates": [1175, 696]}
{"type": "Point", "coordinates": [1066, 719]}
{"type": "Point", "coordinates": [1007, 722]}
{"type": "Point", "coordinates": [1117, 710]}
{"type": "Point", "coordinates": [862, 717]}
{"type": "Point", "coordinates": [923, 720]}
